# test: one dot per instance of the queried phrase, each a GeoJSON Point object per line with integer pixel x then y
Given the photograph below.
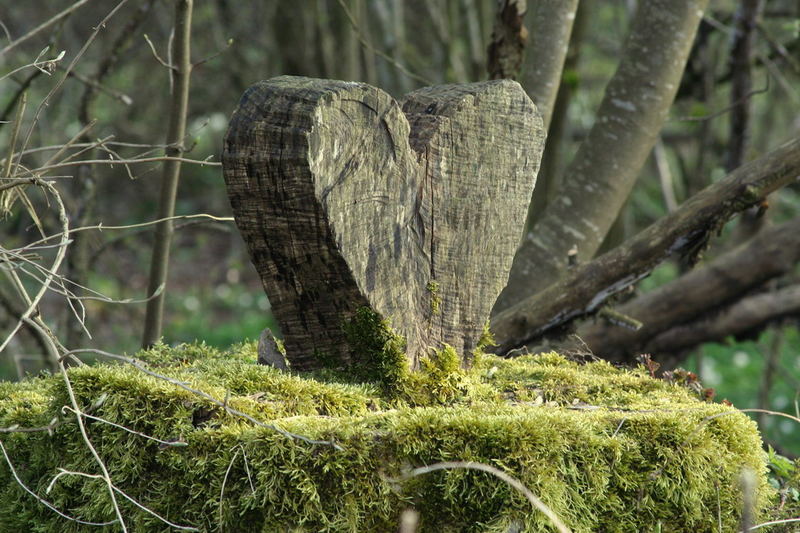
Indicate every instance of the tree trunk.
{"type": "Point", "coordinates": [179, 108]}
{"type": "Point", "coordinates": [508, 40]}
{"type": "Point", "coordinates": [345, 201]}
{"type": "Point", "coordinates": [551, 27]}
{"type": "Point", "coordinates": [604, 170]}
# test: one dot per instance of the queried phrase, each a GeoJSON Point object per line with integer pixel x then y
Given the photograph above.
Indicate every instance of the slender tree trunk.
{"type": "Point", "coordinates": [741, 88]}
{"type": "Point", "coordinates": [509, 37]}
{"type": "Point", "coordinates": [159, 266]}
{"type": "Point", "coordinates": [550, 23]}
{"type": "Point", "coordinates": [362, 12]}
{"type": "Point", "coordinates": [477, 58]}
{"type": "Point", "coordinates": [352, 57]}
{"type": "Point", "coordinates": [551, 172]}
{"type": "Point", "coordinates": [604, 170]}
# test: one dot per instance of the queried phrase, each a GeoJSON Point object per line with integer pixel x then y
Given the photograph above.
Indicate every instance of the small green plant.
{"type": "Point", "coordinates": [436, 299]}
{"type": "Point", "coordinates": [784, 476]}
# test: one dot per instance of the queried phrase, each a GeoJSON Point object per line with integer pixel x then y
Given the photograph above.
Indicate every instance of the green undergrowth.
{"type": "Point", "coordinates": [606, 449]}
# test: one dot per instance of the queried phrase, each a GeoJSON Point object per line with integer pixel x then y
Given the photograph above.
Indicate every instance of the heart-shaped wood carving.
{"type": "Point", "coordinates": [347, 200]}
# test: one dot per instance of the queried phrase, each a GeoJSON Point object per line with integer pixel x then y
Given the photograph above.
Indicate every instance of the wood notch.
{"type": "Point", "coordinates": [348, 199]}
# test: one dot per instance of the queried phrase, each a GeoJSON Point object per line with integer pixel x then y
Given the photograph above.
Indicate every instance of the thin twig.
{"type": "Point", "coordinates": [71, 143]}
{"type": "Point", "coordinates": [247, 469]}
{"type": "Point", "coordinates": [389, 59]}
{"type": "Point", "coordinates": [206, 396]}
{"type": "Point", "coordinates": [222, 489]}
{"type": "Point", "coordinates": [42, 500]}
{"type": "Point", "coordinates": [214, 55]}
{"type": "Point", "coordinates": [14, 134]}
{"type": "Point", "coordinates": [741, 101]}
{"type": "Point", "coordinates": [46, 67]}
{"type": "Point", "coordinates": [155, 54]}
{"type": "Point", "coordinates": [776, 523]}
{"type": "Point", "coordinates": [48, 428]}
{"type": "Point", "coordinates": [101, 227]}
{"type": "Point", "coordinates": [117, 95]}
{"type": "Point", "coordinates": [64, 472]}
{"type": "Point", "coordinates": [129, 430]}
{"type": "Point", "coordinates": [46, 100]}
{"type": "Point", "coordinates": [121, 162]}
{"type": "Point", "coordinates": [43, 26]}
{"type": "Point", "coordinates": [514, 482]}
{"type": "Point", "coordinates": [60, 254]}
{"type": "Point", "coordinates": [82, 426]}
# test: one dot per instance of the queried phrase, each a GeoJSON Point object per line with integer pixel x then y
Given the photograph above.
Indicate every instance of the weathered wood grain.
{"type": "Point", "coordinates": [346, 200]}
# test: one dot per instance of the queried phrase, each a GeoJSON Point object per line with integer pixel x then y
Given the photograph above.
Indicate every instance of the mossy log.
{"type": "Point", "coordinates": [348, 199]}
{"type": "Point", "coordinates": [605, 449]}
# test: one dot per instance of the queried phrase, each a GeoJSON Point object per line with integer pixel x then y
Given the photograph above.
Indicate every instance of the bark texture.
{"type": "Point", "coordinates": [345, 200]}
{"type": "Point", "coordinates": [685, 231]}
{"type": "Point", "coordinates": [604, 170]}
{"type": "Point", "coordinates": [508, 40]}
{"type": "Point", "coordinates": [551, 27]}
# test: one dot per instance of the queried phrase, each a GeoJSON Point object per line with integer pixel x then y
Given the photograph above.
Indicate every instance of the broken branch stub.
{"type": "Point", "coordinates": [346, 200]}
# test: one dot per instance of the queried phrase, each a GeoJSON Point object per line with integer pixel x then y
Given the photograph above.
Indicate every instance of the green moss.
{"type": "Point", "coordinates": [436, 300]}
{"type": "Point", "coordinates": [606, 449]}
{"type": "Point", "coordinates": [379, 352]}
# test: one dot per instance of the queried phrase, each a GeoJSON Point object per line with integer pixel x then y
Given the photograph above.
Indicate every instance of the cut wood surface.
{"type": "Point", "coordinates": [347, 200]}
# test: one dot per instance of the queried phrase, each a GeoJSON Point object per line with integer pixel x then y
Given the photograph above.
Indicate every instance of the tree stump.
{"type": "Point", "coordinates": [348, 200]}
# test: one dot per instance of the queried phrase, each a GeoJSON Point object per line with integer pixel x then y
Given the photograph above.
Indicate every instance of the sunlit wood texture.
{"type": "Point", "coordinates": [346, 199]}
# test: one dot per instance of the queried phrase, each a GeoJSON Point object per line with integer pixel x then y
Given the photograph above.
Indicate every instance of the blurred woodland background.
{"type": "Point", "coordinates": [733, 106]}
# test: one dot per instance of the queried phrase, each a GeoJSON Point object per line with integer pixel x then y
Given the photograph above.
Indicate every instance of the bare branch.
{"type": "Point", "coordinates": [166, 158]}
{"type": "Point", "coordinates": [685, 231]}
{"type": "Point", "coordinates": [43, 26]}
{"type": "Point", "coordinates": [773, 252]}
{"type": "Point", "coordinates": [749, 313]}
{"type": "Point", "coordinates": [33, 303]}
{"type": "Point", "coordinates": [117, 95]}
{"type": "Point", "coordinates": [42, 500]}
{"type": "Point", "coordinates": [155, 54]}
{"type": "Point", "coordinates": [69, 68]}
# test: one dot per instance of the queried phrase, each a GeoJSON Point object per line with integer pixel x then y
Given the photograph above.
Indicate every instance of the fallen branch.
{"type": "Point", "coordinates": [684, 231]}
{"type": "Point", "coordinates": [743, 316]}
{"type": "Point", "coordinates": [771, 253]}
